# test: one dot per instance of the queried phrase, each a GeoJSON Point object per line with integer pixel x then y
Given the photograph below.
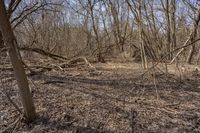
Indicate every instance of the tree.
{"type": "Point", "coordinates": [191, 38]}
{"type": "Point", "coordinates": [173, 26]}
{"type": "Point", "coordinates": [137, 11]}
{"type": "Point", "coordinates": [15, 57]}
{"type": "Point", "coordinates": [166, 9]}
{"type": "Point", "coordinates": [1, 40]}
{"type": "Point", "coordinates": [141, 30]}
{"type": "Point", "coordinates": [117, 27]}
{"type": "Point", "coordinates": [91, 5]}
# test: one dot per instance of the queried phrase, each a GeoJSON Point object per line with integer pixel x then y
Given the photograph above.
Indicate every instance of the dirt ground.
{"type": "Point", "coordinates": [111, 98]}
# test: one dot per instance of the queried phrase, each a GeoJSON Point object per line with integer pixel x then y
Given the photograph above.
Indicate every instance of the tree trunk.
{"type": "Point", "coordinates": [168, 28]}
{"type": "Point", "coordinates": [99, 54]}
{"type": "Point", "coordinates": [195, 27]}
{"type": "Point", "coordinates": [142, 48]}
{"type": "Point", "coordinates": [190, 54]}
{"type": "Point", "coordinates": [11, 44]}
{"type": "Point", "coordinates": [3, 54]}
{"type": "Point", "coordinates": [173, 26]}
{"type": "Point", "coordinates": [119, 40]}
{"type": "Point", "coordinates": [1, 40]}
{"type": "Point", "coordinates": [198, 57]}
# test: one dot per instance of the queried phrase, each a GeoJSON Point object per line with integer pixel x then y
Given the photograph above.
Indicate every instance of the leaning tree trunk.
{"type": "Point", "coordinates": [11, 44]}
{"type": "Point", "coordinates": [190, 55]}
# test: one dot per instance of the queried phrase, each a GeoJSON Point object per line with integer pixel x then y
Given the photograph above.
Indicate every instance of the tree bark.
{"type": "Point", "coordinates": [195, 27]}
{"type": "Point", "coordinates": [190, 54]}
{"type": "Point", "coordinates": [198, 57]}
{"type": "Point", "coordinates": [15, 57]}
{"type": "Point", "coordinates": [168, 27]}
{"type": "Point", "coordinates": [142, 48]}
{"type": "Point", "coordinates": [119, 39]}
{"type": "Point", "coordinates": [1, 40]}
{"type": "Point", "coordinates": [173, 26]}
{"type": "Point", "coordinates": [95, 29]}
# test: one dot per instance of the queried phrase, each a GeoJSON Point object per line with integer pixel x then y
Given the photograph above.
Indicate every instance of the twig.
{"type": "Point", "coordinates": [11, 101]}
{"type": "Point", "coordinates": [17, 123]}
{"type": "Point", "coordinates": [31, 71]}
{"type": "Point", "coordinates": [14, 125]}
{"type": "Point", "coordinates": [133, 121]}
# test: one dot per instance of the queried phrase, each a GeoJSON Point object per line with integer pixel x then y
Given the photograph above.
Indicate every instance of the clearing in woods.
{"type": "Point", "coordinates": [112, 97]}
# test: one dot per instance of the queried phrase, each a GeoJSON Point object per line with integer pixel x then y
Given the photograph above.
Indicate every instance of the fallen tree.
{"type": "Point", "coordinates": [43, 52]}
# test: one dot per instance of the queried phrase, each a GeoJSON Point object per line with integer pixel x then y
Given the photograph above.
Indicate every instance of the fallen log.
{"type": "Point", "coordinates": [44, 53]}
{"type": "Point", "coordinates": [76, 60]}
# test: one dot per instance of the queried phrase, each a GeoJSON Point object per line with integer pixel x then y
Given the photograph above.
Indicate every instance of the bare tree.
{"type": "Point", "coordinates": [173, 26]}
{"type": "Point", "coordinates": [91, 4]}
{"type": "Point", "coordinates": [104, 27]}
{"type": "Point", "coordinates": [11, 44]}
{"type": "Point", "coordinates": [1, 40]}
{"type": "Point", "coordinates": [117, 30]}
{"type": "Point", "coordinates": [137, 11]}
{"type": "Point", "coordinates": [191, 38]}
{"type": "Point", "coordinates": [166, 8]}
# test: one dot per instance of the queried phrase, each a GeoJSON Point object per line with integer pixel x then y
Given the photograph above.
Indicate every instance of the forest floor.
{"type": "Point", "coordinates": [111, 98]}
